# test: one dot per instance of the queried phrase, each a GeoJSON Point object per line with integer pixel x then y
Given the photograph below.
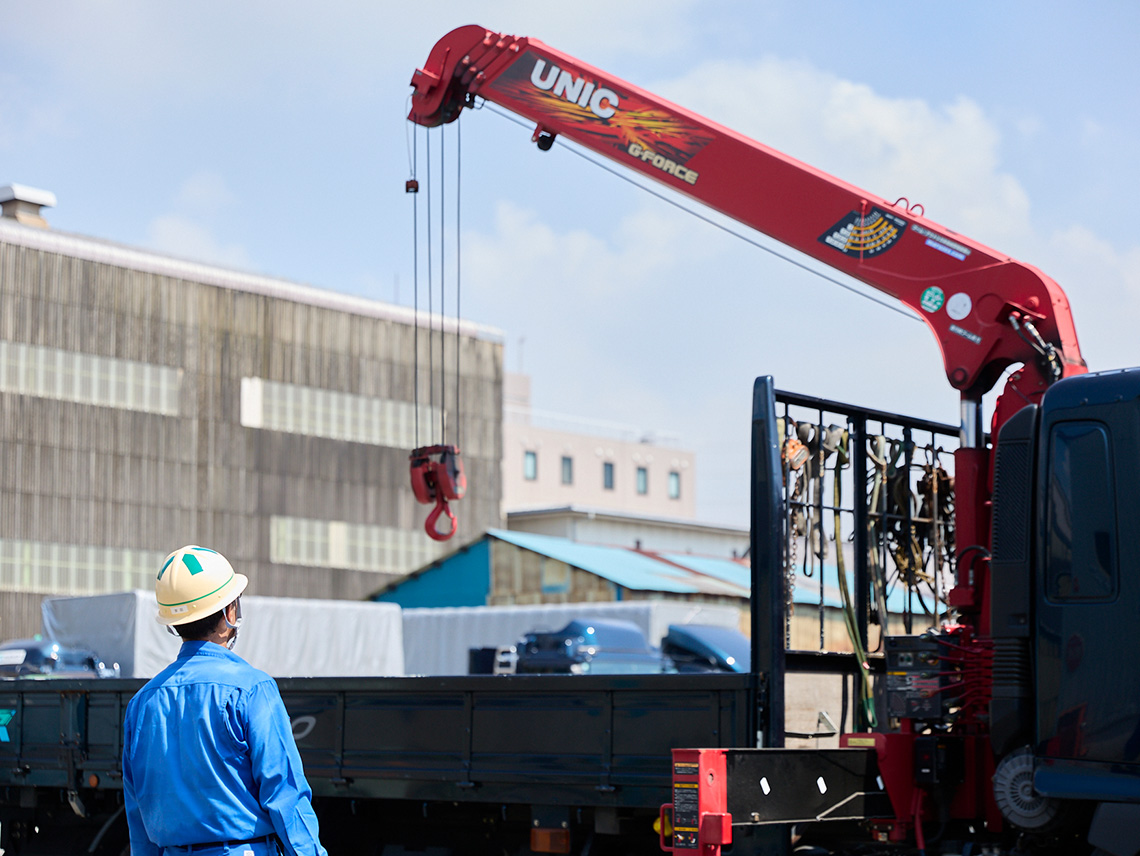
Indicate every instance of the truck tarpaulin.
{"type": "Point", "coordinates": [286, 637]}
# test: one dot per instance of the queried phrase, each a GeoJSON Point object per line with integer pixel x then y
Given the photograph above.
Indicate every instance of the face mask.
{"type": "Point", "coordinates": [235, 626]}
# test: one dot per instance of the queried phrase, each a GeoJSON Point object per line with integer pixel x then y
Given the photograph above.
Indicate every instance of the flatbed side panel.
{"type": "Point", "coordinates": [561, 740]}
{"type": "Point", "coordinates": [103, 753]}
{"type": "Point", "coordinates": [318, 727]}
{"type": "Point", "coordinates": [536, 736]}
{"type": "Point", "coordinates": [38, 731]}
{"type": "Point", "coordinates": [574, 740]}
{"type": "Point", "coordinates": [55, 733]}
{"type": "Point", "coordinates": [648, 726]}
{"type": "Point", "coordinates": [404, 734]}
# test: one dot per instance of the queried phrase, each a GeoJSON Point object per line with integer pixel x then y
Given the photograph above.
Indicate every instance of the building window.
{"type": "Point", "coordinates": [607, 476]}
{"type": "Point", "coordinates": [555, 577]}
{"type": "Point", "coordinates": [567, 470]}
{"type": "Point", "coordinates": [530, 465]}
{"type": "Point", "coordinates": [89, 379]}
{"type": "Point", "coordinates": [355, 546]}
{"type": "Point", "coordinates": [320, 412]}
{"type": "Point", "coordinates": [75, 569]}
{"type": "Point", "coordinates": [674, 485]}
{"type": "Point", "coordinates": [642, 480]}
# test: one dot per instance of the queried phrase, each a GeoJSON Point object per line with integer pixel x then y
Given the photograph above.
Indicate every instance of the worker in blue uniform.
{"type": "Point", "coordinates": [210, 766]}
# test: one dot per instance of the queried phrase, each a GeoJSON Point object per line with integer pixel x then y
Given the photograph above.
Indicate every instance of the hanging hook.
{"type": "Point", "coordinates": [437, 476]}
{"type": "Point", "coordinates": [432, 521]}
{"type": "Point", "coordinates": [436, 471]}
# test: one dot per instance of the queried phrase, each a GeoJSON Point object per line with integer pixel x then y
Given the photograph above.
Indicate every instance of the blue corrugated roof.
{"type": "Point", "coordinates": [682, 573]}
{"type": "Point", "coordinates": [637, 570]}
{"type": "Point", "coordinates": [737, 573]}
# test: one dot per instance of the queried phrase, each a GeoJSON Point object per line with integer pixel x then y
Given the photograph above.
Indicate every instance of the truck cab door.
{"type": "Point", "coordinates": [1088, 588]}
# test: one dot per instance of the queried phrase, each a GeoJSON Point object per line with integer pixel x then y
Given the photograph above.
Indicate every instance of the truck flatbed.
{"type": "Point", "coordinates": [584, 740]}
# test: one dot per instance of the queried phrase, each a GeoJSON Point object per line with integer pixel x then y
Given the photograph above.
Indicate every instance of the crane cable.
{"type": "Point", "coordinates": [436, 470]}
{"type": "Point", "coordinates": [412, 186]}
{"type": "Point", "coordinates": [442, 282]}
{"type": "Point", "coordinates": [458, 266]}
{"type": "Point", "coordinates": [431, 328]}
{"type": "Point", "coordinates": [705, 218]}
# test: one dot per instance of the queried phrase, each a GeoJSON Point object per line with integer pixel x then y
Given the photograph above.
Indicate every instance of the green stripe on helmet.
{"type": "Point", "coordinates": [202, 597]}
{"type": "Point", "coordinates": [165, 566]}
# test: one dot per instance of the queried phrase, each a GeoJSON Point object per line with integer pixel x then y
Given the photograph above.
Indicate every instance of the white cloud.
{"type": "Point", "coordinates": [138, 51]}
{"type": "Point", "coordinates": [602, 306]}
{"type": "Point", "coordinates": [590, 26]}
{"type": "Point", "coordinates": [651, 318]}
{"type": "Point", "coordinates": [184, 238]}
{"type": "Point", "coordinates": [200, 204]}
{"type": "Point", "coordinates": [1092, 131]}
{"type": "Point", "coordinates": [205, 191]}
{"type": "Point", "coordinates": [663, 323]}
{"type": "Point", "coordinates": [1028, 126]}
{"type": "Point", "coordinates": [1103, 285]}
{"type": "Point", "coordinates": [944, 158]}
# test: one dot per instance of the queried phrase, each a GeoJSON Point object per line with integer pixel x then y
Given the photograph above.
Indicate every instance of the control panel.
{"type": "Point", "coordinates": [921, 682]}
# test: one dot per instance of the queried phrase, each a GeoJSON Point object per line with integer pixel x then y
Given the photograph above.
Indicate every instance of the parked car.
{"type": "Point", "coordinates": [43, 658]}
{"type": "Point", "coordinates": [707, 648]}
{"type": "Point", "coordinates": [593, 647]}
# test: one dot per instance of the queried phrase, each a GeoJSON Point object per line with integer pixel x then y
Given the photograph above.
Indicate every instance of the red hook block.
{"type": "Point", "coordinates": [437, 476]}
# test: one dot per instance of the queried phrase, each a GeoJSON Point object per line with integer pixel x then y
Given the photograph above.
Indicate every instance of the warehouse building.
{"type": "Point", "coordinates": [511, 568]}
{"type": "Point", "coordinates": [148, 402]}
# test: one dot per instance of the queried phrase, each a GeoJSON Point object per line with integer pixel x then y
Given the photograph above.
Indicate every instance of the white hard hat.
{"type": "Point", "coordinates": [195, 582]}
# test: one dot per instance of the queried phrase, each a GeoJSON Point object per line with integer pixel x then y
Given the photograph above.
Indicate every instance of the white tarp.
{"type": "Point", "coordinates": [437, 639]}
{"type": "Point", "coordinates": [286, 637]}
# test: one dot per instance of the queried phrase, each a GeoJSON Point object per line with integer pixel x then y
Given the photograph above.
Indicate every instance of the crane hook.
{"type": "Point", "coordinates": [437, 476]}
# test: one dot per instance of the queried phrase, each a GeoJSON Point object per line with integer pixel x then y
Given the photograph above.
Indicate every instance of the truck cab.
{"type": "Point", "coordinates": [1064, 600]}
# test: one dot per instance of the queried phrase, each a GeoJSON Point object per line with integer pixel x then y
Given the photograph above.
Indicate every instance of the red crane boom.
{"type": "Point", "coordinates": [986, 310]}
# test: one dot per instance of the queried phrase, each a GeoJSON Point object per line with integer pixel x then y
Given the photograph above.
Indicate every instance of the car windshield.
{"type": "Point", "coordinates": [610, 635]}
{"type": "Point", "coordinates": [729, 645]}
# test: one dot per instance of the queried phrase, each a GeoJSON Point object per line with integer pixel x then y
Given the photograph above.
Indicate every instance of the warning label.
{"type": "Point", "coordinates": [865, 235]}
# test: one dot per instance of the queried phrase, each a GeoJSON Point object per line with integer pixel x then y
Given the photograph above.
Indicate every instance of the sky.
{"type": "Point", "coordinates": [271, 137]}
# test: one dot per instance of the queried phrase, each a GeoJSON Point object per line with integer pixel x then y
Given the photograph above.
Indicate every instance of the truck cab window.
{"type": "Point", "coordinates": [1081, 525]}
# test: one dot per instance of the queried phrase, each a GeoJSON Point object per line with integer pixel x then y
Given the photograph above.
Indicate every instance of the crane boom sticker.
{"type": "Point", "coordinates": [592, 107]}
{"type": "Point", "coordinates": [865, 235]}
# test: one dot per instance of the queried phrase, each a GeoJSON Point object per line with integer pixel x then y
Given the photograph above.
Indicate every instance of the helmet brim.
{"type": "Point", "coordinates": [213, 603]}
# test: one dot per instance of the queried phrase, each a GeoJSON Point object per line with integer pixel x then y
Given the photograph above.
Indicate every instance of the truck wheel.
{"type": "Point", "coordinates": [1013, 791]}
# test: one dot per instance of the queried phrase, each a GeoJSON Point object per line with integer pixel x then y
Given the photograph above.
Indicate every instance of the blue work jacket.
{"type": "Point", "coordinates": [209, 756]}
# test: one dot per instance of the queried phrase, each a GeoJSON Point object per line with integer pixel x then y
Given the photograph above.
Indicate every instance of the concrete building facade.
{"type": "Point", "coordinates": [552, 461]}
{"type": "Point", "coordinates": [148, 402]}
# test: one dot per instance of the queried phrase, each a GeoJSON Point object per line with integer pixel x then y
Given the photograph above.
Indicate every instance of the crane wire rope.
{"type": "Point", "coordinates": [706, 219]}
{"type": "Point", "coordinates": [458, 278]}
{"type": "Point", "coordinates": [442, 283]}
{"type": "Point", "coordinates": [413, 156]}
{"type": "Point", "coordinates": [413, 160]}
{"type": "Point", "coordinates": [431, 328]}
{"type": "Point", "coordinates": [443, 280]}
{"type": "Point", "coordinates": [436, 469]}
